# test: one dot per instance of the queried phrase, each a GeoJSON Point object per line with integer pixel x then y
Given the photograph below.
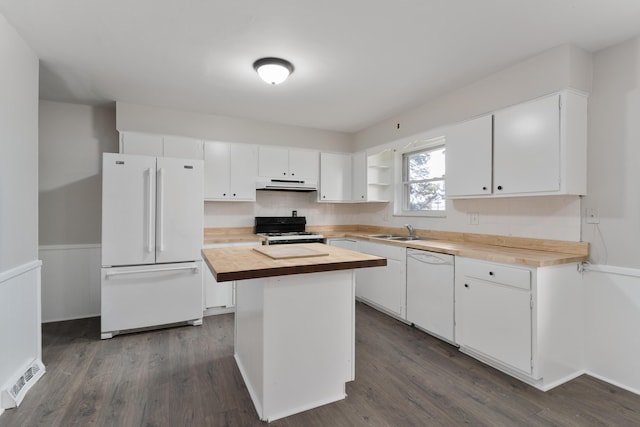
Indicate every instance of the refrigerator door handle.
{"type": "Point", "coordinates": [161, 209]}
{"type": "Point", "coordinates": [193, 267]}
{"type": "Point", "coordinates": [150, 230]}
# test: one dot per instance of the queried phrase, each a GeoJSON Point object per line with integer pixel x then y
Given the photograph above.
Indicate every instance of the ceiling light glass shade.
{"type": "Point", "coordinates": [273, 70]}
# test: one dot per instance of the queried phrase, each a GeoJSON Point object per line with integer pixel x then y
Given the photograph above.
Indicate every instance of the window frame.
{"type": "Point", "coordinates": [403, 184]}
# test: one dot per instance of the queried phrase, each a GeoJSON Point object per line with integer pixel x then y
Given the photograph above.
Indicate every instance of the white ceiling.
{"type": "Point", "coordinates": [357, 61]}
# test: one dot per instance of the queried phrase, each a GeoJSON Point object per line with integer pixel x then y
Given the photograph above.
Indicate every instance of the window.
{"type": "Point", "coordinates": [423, 173]}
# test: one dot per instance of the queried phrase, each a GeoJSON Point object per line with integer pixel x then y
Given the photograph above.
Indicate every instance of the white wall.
{"type": "Point", "coordinates": [72, 140]}
{"type": "Point", "coordinates": [19, 266]}
{"type": "Point", "coordinates": [613, 155]}
{"type": "Point", "coordinates": [279, 203]}
{"type": "Point", "coordinates": [552, 70]}
{"type": "Point", "coordinates": [18, 150]}
{"type": "Point", "coordinates": [131, 117]}
{"type": "Point", "coordinates": [540, 217]}
{"type": "Point", "coordinates": [613, 293]}
{"type": "Point", "coordinates": [553, 217]}
{"type": "Point", "coordinates": [612, 316]}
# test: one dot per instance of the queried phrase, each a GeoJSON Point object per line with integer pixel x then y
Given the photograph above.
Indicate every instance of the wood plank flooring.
{"type": "Point", "coordinates": [186, 376]}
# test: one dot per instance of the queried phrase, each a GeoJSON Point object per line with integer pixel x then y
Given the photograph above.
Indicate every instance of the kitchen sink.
{"type": "Point", "coordinates": [396, 237]}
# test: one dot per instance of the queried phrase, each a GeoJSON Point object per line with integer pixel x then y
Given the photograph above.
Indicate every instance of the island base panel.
{"type": "Point", "coordinates": [294, 341]}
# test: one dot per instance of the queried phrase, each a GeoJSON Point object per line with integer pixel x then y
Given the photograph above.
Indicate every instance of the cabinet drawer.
{"type": "Point", "coordinates": [510, 276]}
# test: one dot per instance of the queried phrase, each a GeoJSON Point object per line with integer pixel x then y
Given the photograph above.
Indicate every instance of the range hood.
{"type": "Point", "coordinates": [280, 184]}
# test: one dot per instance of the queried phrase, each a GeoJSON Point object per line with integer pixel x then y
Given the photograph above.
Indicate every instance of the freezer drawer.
{"type": "Point", "coordinates": [145, 296]}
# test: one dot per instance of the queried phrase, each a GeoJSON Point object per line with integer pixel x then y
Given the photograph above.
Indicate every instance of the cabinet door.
{"type": "Point", "coordinates": [216, 170]}
{"type": "Point", "coordinates": [220, 294]}
{"type": "Point", "coordinates": [359, 177]}
{"type": "Point", "coordinates": [141, 144]}
{"type": "Point", "coordinates": [217, 294]}
{"type": "Point", "coordinates": [383, 286]}
{"type": "Point", "coordinates": [468, 158]}
{"type": "Point", "coordinates": [495, 320]}
{"type": "Point", "coordinates": [303, 164]}
{"type": "Point", "coordinates": [273, 162]}
{"type": "Point", "coordinates": [243, 163]}
{"type": "Point", "coordinates": [526, 147]}
{"type": "Point", "coordinates": [184, 148]}
{"type": "Point", "coordinates": [335, 177]}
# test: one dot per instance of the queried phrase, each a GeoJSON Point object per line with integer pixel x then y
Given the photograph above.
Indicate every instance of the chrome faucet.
{"type": "Point", "coordinates": [411, 231]}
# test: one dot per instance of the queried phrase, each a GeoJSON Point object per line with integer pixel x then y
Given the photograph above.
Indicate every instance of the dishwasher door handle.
{"type": "Point", "coordinates": [428, 259]}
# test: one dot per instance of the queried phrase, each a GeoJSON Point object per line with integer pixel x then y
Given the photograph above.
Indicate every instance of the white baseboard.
{"type": "Point", "coordinates": [613, 382]}
{"type": "Point", "coordinates": [214, 311]}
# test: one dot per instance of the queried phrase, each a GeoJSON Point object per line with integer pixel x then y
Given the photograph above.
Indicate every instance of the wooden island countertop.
{"type": "Point", "coordinates": [239, 263]}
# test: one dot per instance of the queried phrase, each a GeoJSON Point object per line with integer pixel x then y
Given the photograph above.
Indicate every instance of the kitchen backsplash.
{"type": "Point", "coordinates": [551, 217]}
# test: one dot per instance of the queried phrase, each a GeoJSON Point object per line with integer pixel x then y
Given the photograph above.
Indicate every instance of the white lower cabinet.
{"type": "Point", "coordinates": [524, 321]}
{"type": "Point", "coordinates": [384, 287]}
{"type": "Point", "coordinates": [220, 295]}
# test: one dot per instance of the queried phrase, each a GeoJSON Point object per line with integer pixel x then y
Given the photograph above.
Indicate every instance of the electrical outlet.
{"type": "Point", "coordinates": [474, 218]}
{"type": "Point", "coordinates": [593, 217]}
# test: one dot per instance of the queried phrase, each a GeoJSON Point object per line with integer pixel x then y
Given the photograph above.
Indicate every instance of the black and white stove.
{"type": "Point", "coordinates": [282, 230]}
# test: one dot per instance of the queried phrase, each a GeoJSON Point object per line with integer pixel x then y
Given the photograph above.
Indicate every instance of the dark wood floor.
{"type": "Point", "coordinates": [186, 376]}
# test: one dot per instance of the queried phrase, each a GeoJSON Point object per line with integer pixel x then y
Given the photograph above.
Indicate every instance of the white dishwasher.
{"type": "Point", "coordinates": [430, 291]}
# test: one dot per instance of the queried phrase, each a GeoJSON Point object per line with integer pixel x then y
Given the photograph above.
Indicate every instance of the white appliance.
{"type": "Point", "coordinates": [430, 291]}
{"type": "Point", "coordinates": [152, 221]}
{"type": "Point", "coordinates": [283, 184]}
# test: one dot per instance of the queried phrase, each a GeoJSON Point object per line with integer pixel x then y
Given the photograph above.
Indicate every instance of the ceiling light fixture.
{"type": "Point", "coordinates": [273, 70]}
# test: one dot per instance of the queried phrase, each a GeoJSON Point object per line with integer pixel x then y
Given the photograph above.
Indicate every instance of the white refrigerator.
{"type": "Point", "coordinates": [152, 221]}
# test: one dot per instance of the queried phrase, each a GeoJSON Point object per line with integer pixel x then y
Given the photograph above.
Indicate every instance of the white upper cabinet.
{"type": "Point", "coordinates": [303, 164]}
{"type": "Point", "coordinates": [526, 147]}
{"type": "Point", "coordinates": [380, 176]}
{"type": "Point", "coordinates": [273, 161]}
{"type": "Point", "coordinates": [359, 177]}
{"type": "Point", "coordinates": [335, 177]}
{"type": "Point", "coordinates": [538, 148]}
{"type": "Point", "coordinates": [371, 176]}
{"type": "Point", "coordinates": [160, 146]}
{"type": "Point", "coordinates": [184, 148]}
{"type": "Point", "coordinates": [468, 158]}
{"type": "Point", "coordinates": [230, 171]}
{"type": "Point", "coordinates": [287, 163]}
{"type": "Point", "coordinates": [141, 144]}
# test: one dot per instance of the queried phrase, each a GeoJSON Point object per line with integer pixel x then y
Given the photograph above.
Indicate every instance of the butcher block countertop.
{"type": "Point", "coordinates": [245, 262]}
{"type": "Point", "coordinates": [507, 249]}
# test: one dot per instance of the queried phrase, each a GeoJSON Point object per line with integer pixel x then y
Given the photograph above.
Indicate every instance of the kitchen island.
{"type": "Point", "coordinates": [294, 322]}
